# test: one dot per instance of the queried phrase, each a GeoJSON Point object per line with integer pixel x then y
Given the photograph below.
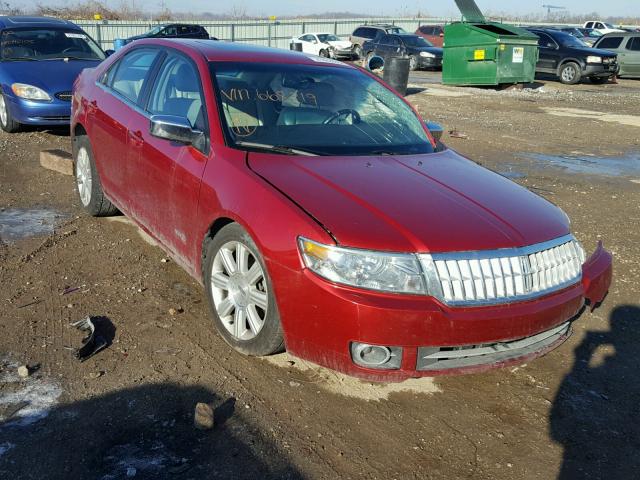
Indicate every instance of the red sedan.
{"type": "Point", "coordinates": [322, 216]}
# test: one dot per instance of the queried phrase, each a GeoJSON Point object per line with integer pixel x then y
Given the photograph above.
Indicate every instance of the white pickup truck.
{"type": "Point", "coordinates": [601, 27]}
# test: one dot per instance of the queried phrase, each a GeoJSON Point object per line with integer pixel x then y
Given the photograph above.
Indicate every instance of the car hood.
{"type": "Point", "coordinates": [340, 44]}
{"type": "Point", "coordinates": [591, 51]}
{"type": "Point", "coordinates": [50, 75]}
{"type": "Point", "coordinates": [426, 203]}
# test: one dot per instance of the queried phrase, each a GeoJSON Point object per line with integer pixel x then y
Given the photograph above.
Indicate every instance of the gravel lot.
{"type": "Point", "coordinates": [128, 411]}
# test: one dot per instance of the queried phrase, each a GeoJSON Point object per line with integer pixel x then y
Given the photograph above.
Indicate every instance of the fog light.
{"type": "Point", "coordinates": [376, 356]}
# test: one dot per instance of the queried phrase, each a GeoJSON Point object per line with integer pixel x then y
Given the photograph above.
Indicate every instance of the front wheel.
{"type": "Point", "coordinates": [357, 52]}
{"type": "Point", "coordinates": [240, 293]}
{"type": "Point", "coordinates": [7, 122]}
{"type": "Point", "coordinates": [324, 53]}
{"type": "Point", "coordinates": [570, 73]}
{"type": "Point", "coordinates": [413, 63]}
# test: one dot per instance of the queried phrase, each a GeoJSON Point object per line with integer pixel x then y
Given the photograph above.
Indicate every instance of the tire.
{"type": "Point", "coordinates": [599, 80]}
{"type": "Point", "coordinates": [88, 184]}
{"type": "Point", "coordinates": [365, 60]}
{"type": "Point", "coordinates": [7, 123]}
{"type": "Point", "coordinates": [242, 301]}
{"type": "Point", "coordinates": [570, 73]}
{"type": "Point", "coordinates": [324, 53]}
{"type": "Point", "coordinates": [413, 63]}
{"type": "Point", "coordinates": [357, 52]}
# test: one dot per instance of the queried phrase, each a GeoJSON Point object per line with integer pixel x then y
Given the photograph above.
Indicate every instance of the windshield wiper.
{"type": "Point", "coordinates": [20, 59]}
{"type": "Point", "coordinates": [277, 148]}
{"type": "Point", "coordinates": [70, 58]}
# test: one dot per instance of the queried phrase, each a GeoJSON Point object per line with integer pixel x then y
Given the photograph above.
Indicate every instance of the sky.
{"type": "Point", "coordinates": [395, 7]}
{"type": "Point", "coordinates": [445, 8]}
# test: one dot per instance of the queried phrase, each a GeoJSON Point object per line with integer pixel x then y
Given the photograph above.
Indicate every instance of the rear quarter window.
{"type": "Point", "coordinates": [610, 42]}
{"type": "Point", "coordinates": [634, 44]}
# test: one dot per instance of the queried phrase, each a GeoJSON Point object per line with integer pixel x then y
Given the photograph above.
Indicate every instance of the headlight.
{"type": "Point", "coordinates": [427, 54]}
{"type": "Point", "coordinates": [29, 92]}
{"type": "Point", "coordinates": [594, 59]}
{"type": "Point", "coordinates": [389, 272]}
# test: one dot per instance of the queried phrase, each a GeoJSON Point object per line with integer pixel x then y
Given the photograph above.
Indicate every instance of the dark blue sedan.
{"type": "Point", "coordinates": [40, 58]}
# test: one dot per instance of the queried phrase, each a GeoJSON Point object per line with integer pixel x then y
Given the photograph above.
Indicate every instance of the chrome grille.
{"type": "Point", "coordinates": [64, 96]}
{"type": "Point", "coordinates": [505, 275]}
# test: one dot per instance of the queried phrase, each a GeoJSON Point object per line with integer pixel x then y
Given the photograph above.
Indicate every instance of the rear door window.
{"type": "Point", "coordinates": [610, 42]}
{"type": "Point", "coordinates": [426, 30]}
{"type": "Point", "coordinates": [127, 77]}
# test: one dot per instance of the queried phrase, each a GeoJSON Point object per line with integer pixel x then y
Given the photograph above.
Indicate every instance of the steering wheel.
{"type": "Point", "coordinates": [346, 112]}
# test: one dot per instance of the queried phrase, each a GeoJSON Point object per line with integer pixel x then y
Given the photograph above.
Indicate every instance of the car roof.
{"type": "Point", "coordinates": [620, 34]}
{"type": "Point", "coordinates": [18, 21]}
{"type": "Point", "coordinates": [317, 33]}
{"type": "Point", "coordinates": [221, 51]}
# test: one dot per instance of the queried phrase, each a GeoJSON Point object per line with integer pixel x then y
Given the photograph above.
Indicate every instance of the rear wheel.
{"type": "Point", "coordinates": [240, 293]}
{"type": "Point", "coordinates": [88, 183]}
{"type": "Point", "coordinates": [570, 73]}
{"type": "Point", "coordinates": [7, 122]}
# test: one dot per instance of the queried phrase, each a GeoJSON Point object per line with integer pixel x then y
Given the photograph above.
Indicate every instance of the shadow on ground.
{"type": "Point", "coordinates": [596, 414]}
{"type": "Point", "coordinates": [142, 433]}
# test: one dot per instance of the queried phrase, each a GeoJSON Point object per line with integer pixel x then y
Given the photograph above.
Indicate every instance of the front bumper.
{"type": "Point", "coordinates": [427, 62]}
{"type": "Point", "coordinates": [29, 112]}
{"type": "Point", "coordinates": [343, 52]}
{"type": "Point", "coordinates": [322, 320]}
{"type": "Point", "coordinates": [600, 70]}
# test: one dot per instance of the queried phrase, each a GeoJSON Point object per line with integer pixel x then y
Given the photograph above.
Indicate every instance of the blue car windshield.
{"type": "Point", "coordinates": [320, 109]}
{"type": "Point", "coordinates": [47, 44]}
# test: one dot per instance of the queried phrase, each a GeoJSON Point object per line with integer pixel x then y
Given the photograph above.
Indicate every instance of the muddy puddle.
{"type": "Point", "coordinates": [19, 223]}
{"type": "Point", "coordinates": [617, 166]}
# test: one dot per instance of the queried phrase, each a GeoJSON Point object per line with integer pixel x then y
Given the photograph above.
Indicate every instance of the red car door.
{"type": "Point", "coordinates": [111, 109]}
{"type": "Point", "coordinates": [164, 175]}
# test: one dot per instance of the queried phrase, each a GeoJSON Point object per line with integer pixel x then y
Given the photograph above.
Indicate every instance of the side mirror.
{"type": "Point", "coordinates": [435, 129]}
{"type": "Point", "coordinates": [174, 128]}
{"type": "Point", "coordinates": [108, 53]}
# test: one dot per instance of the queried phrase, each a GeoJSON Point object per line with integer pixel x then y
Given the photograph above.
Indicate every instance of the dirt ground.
{"type": "Point", "coordinates": [127, 412]}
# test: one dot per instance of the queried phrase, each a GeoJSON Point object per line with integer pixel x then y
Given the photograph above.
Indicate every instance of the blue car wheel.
{"type": "Point", "coordinates": [7, 122]}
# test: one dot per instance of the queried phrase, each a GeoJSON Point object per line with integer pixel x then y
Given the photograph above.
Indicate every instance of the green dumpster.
{"type": "Point", "coordinates": [479, 52]}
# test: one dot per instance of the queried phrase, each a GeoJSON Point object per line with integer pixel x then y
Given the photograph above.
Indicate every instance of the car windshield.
{"type": "Point", "coordinates": [322, 110]}
{"type": "Point", "coordinates": [47, 44]}
{"type": "Point", "coordinates": [155, 30]}
{"type": "Point", "coordinates": [573, 31]}
{"type": "Point", "coordinates": [608, 25]}
{"type": "Point", "coordinates": [327, 37]}
{"type": "Point", "coordinates": [416, 42]}
{"type": "Point", "coordinates": [396, 30]}
{"type": "Point", "coordinates": [567, 40]}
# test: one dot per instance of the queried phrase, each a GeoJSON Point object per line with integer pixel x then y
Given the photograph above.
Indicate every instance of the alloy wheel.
{"type": "Point", "coordinates": [569, 73]}
{"type": "Point", "coordinates": [3, 111]}
{"type": "Point", "coordinates": [83, 176]}
{"type": "Point", "coordinates": [239, 290]}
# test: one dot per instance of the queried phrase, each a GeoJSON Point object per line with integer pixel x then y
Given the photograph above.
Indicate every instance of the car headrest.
{"type": "Point", "coordinates": [185, 80]}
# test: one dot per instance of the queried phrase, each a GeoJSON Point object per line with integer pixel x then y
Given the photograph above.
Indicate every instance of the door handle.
{"type": "Point", "coordinates": [136, 137]}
